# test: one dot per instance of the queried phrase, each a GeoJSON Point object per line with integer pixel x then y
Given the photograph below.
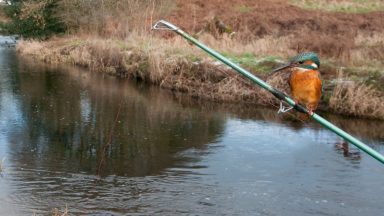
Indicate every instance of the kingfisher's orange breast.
{"type": "Point", "coordinates": [306, 87]}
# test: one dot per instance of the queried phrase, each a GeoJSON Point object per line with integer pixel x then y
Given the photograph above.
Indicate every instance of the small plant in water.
{"type": "Point", "coordinates": [58, 212]}
{"type": "Point", "coordinates": [2, 165]}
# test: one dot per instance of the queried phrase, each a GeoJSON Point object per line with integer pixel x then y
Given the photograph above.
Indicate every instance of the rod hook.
{"type": "Point", "coordinates": [164, 25]}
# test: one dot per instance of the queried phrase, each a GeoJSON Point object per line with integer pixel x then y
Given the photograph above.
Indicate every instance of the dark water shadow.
{"type": "Point", "coordinates": [359, 127]}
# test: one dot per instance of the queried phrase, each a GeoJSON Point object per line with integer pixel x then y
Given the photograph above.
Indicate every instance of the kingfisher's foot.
{"type": "Point", "coordinates": [283, 109]}
{"type": "Point", "coordinates": [310, 109]}
{"type": "Point", "coordinates": [310, 112]}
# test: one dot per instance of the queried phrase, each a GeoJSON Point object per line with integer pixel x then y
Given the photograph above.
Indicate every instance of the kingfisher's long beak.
{"type": "Point", "coordinates": [282, 67]}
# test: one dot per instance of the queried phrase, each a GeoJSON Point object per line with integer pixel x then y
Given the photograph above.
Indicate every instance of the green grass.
{"type": "Point", "coordinates": [120, 44]}
{"type": "Point", "coordinates": [346, 6]}
{"type": "Point", "coordinates": [254, 63]}
{"type": "Point", "coordinates": [76, 42]}
{"type": "Point", "coordinates": [243, 9]}
{"type": "Point", "coordinates": [368, 75]}
{"type": "Point", "coordinates": [193, 58]}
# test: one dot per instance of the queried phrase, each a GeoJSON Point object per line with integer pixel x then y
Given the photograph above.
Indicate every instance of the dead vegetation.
{"type": "Point", "coordinates": [112, 19]}
{"type": "Point", "coordinates": [357, 99]}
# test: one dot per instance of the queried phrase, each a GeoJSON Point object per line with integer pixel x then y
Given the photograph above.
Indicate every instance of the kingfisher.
{"type": "Point", "coordinates": [304, 81]}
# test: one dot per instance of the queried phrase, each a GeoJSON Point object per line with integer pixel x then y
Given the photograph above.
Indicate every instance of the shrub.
{"type": "Point", "coordinates": [33, 18]}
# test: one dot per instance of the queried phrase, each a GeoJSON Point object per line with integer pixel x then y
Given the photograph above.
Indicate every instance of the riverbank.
{"type": "Point", "coordinates": [171, 64]}
{"type": "Point", "coordinates": [174, 64]}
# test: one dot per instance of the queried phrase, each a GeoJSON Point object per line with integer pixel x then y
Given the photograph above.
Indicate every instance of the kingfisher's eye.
{"type": "Point", "coordinates": [301, 62]}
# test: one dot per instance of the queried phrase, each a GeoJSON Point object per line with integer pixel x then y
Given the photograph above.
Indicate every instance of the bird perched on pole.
{"type": "Point", "coordinates": [304, 81]}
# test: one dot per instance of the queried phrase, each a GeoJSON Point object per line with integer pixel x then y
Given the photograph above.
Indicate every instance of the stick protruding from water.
{"type": "Point", "coordinates": [2, 166]}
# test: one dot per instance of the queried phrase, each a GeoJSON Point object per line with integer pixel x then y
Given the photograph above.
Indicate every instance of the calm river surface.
{"type": "Point", "coordinates": [104, 146]}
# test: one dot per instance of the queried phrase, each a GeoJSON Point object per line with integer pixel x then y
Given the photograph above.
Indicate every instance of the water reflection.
{"type": "Point", "coordinates": [363, 128]}
{"type": "Point", "coordinates": [345, 149]}
{"type": "Point", "coordinates": [98, 125]}
{"type": "Point", "coordinates": [367, 130]}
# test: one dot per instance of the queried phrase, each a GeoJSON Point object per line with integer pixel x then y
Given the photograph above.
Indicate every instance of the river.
{"type": "Point", "coordinates": [105, 146]}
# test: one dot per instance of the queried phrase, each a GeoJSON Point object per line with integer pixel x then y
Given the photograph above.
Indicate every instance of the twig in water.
{"type": "Point", "coordinates": [109, 142]}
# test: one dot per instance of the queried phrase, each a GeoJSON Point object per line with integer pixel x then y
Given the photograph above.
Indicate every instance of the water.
{"type": "Point", "coordinates": [104, 146]}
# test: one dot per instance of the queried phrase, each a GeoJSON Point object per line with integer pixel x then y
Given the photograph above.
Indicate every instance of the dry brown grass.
{"type": "Point", "coordinates": [357, 99]}
{"type": "Point", "coordinates": [359, 50]}
{"type": "Point", "coordinates": [368, 50]}
{"type": "Point", "coordinates": [116, 18]}
{"type": "Point", "coordinates": [266, 46]}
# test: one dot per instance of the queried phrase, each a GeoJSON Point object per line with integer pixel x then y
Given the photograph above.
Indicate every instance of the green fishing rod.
{"type": "Point", "coordinates": [164, 25]}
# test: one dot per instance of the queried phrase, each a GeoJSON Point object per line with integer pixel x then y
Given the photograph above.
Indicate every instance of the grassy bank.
{"type": "Point", "coordinates": [176, 65]}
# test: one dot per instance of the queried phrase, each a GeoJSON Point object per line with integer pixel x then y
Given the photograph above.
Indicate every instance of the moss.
{"type": "Point", "coordinates": [193, 58]}
{"type": "Point", "coordinates": [254, 63]}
